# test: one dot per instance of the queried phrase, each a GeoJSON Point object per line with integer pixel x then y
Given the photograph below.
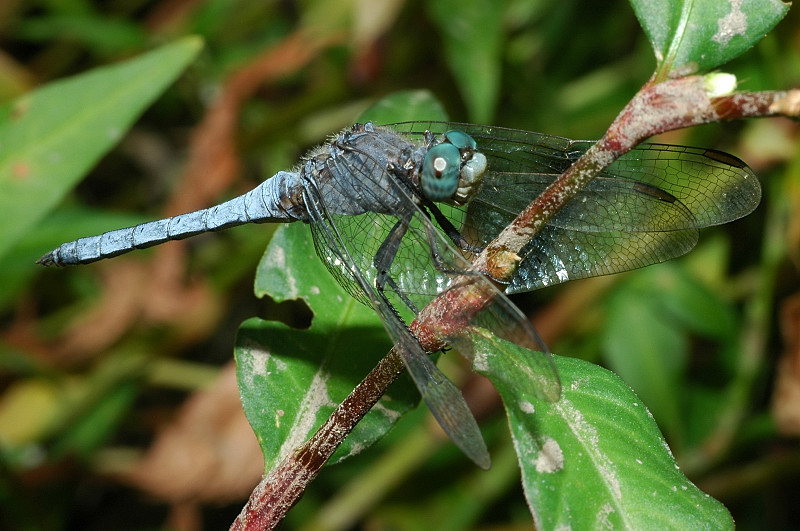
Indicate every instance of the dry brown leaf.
{"type": "Point", "coordinates": [213, 160]}
{"type": "Point", "coordinates": [209, 454]}
{"type": "Point", "coordinates": [113, 315]}
{"type": "Point", "coordinates": [212, 167]}
{"type": "Point", "coordinates": [786, 398]}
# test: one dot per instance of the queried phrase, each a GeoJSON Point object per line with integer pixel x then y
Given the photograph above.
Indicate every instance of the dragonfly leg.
{"type": "Point", "coordinates": [452, 232]}
{"type": "Point", "coordinates": [384, 258]}
{"type": "Point", "coordinates": [428, 138]}
{"type": "Point", "coordinates": [388, 280]}
{"type": "Point", "coordinates": [436, 256]}
{"type": "Point", "coordinates": [437, 261]}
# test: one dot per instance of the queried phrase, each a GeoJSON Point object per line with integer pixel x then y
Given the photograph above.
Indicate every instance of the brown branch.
{"type": "Point", "coordinates": [283, 486]}
{"type": "Point", "coordinates": [657, 108]}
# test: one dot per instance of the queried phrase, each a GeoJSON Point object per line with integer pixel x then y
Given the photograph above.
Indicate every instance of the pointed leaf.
{"type": "Point", "coordinates": [52, 136]}
{"type": "Point", "coordinates": [595, 458]}
{"type": "Point", "coordinates": [292, 380]}
{"type": "Point", "coordinates": [404, 106]}
{"type": "Point", "coordinates": [690, 36]}
{"type": "Point", "coordinates": [472, 34]}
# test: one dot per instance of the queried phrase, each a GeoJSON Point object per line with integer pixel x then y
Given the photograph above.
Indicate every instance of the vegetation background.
{"type": "Point", "coordinates": [102, 420]}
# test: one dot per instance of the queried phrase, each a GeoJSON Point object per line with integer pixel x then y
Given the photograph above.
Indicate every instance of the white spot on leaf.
{"type": "Point", "coordinates": [314, 399]}
{"type": "Point", "coordinates": [587, 432]}
{"type": "Point", "coordinates": [550, 458]}
{"type": "Point", "coordinates": [390, 414]}
{"type": "Point", "coordinates": [604, 517]}
{"type": "Point", "coordinates": [480, 360]}
{"type": "Point", "coordinates": [732, 24]}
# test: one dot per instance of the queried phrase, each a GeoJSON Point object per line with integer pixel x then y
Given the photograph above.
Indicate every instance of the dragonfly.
{"type": "Point", "coordinates": [398, 212]}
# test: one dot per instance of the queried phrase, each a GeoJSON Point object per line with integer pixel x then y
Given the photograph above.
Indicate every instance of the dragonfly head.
{"type": "Point", "coordinates": [452, 169]}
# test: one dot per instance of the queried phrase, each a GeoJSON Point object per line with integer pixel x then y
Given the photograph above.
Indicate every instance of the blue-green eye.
{"type": "Point", "coordinates": [440, 171]}
{"type": "Point", "coordinates": [460, 139]}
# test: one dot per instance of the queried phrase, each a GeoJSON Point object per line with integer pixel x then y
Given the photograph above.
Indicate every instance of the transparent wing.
{"type": "Point", "coordinates": [442, 397]}
{"type": "Point", "coordinates": [643, 209]}
{"type": "Point", "coordinates": [425, 265]}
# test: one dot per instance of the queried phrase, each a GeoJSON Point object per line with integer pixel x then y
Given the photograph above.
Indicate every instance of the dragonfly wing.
{"type": "Point", "coordinates": [557, 255]}
{"type": "Point", "coordinates": [348, 245]}
{"type": "Point", "coordinates": [505, 321]}
{"type": "Point", "coordinates": [446, 403]}
{"type": "Point", "coordinates": [425, 265]}
{"type": "Point", "coordinates": [643, 209]}
{"type": "Point", "coordinates": [444, 400]}
{"type": "Point", "coordinates": [715, 186]}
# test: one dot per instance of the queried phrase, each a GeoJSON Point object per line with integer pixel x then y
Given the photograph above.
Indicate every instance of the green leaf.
{"type": "Point", "coordinates": [291, 380]}
{"type": "Point", "coordinates": [404, 106]}
{"type": "Point", "coordinates": [472, 34]}
{"type": "Point", "coordinates": [648, 351]}
{"type": "Point", "coordinates": [595, 458]}
{"type": "Point", "coordinates": [650, 320]}
{"type": "Point", "coordinates": [52, 136]}
{"type": "Point", "coordinates": [86, 433]}
{"type": "Point", "coordinates": [102, 34]}
{"type": "Point", "coordinates": [90, 411]}
{"type": "Point", "coordinates": [692, 36]}
{"type": "Point", "coordinates": [689, 301]}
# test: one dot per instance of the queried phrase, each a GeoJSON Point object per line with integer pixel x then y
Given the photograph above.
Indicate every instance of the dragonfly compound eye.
{"type": "Point", "coordinates": [440, 172]}
{"type": "Point", "coordinates": [460, 139]}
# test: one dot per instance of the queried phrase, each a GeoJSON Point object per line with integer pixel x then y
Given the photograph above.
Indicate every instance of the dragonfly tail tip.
{"type": "Point", "coordinates": [47, 260]}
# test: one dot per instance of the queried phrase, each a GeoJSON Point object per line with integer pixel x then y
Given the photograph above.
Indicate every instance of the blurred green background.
{"type": "Point", "coordinates": [100, 426]}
